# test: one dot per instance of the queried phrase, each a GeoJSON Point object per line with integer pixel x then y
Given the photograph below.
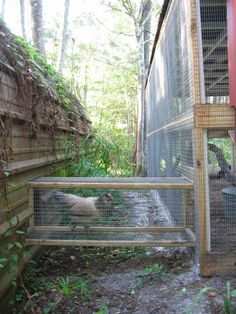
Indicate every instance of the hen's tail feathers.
{"type": "Point", "coordinates": [57, 195]}
{"type": "Point", "coordinates": [47, 195]}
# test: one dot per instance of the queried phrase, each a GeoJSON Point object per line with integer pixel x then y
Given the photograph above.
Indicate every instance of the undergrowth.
{"type": "Point", "coordinates": [96, 156]}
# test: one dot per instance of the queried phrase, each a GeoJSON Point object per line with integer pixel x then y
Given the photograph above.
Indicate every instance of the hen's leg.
{"type": "Point", "coordinates": [73, 225]}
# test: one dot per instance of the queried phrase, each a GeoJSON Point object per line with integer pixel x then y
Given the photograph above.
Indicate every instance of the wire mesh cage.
{"type": "Point", "coordinates": [214, 46]}
{"type": "Point", "coordinates": [190, 125]}
{"type": "Point", "coordinates": [222, 192]}
{"type": "Point", "coordinates": [109, 212]}
{"type": "Point", "coordinates": [169, 120]}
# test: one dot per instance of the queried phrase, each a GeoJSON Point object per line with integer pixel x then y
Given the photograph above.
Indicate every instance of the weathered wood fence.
{"type": "Point", "coordinates": [31, 145]}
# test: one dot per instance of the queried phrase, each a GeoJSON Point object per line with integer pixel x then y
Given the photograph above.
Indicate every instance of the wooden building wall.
{"type": "Point", "coordinates": [33, 148]}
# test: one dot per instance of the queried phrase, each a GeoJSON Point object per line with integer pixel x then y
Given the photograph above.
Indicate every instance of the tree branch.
{"type": "Point", "coordinates": [110, 30]}
{"type": "Point", "coordinates": [222, 162]}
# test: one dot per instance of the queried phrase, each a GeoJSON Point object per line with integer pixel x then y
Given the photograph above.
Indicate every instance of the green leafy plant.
{"type": "Point", "coordinates": [39, 64]}
{"type": "Point", "coordinates": [4, 168]}
{"type": "Point", "coordinates": [155, 269]}
{"type": "Point", "coordinates": [102, 310]}
{"type": "Point", "coordinates": [65, 287]}
{"type": "Point", "coordinates": [14, 249]}
{"type": "Point", "coordinates": [84, 287]}
{"type": "Point", "coordinates": [228, 299]}
{"type": "Point", "coordinates": [3, 261]}
{"type": "Point", "coordinates": [197, 299]}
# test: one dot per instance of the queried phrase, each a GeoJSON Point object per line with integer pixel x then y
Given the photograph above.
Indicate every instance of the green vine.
{"type": "Point", "coordinates": [39, 69]}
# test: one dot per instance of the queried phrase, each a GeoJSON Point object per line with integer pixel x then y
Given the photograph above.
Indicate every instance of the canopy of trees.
{"type": "Point", "coordinates": [102, 48]}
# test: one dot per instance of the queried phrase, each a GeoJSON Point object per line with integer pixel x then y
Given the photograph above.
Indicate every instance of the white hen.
{"type": "Point", "coordinates": [83, 210]}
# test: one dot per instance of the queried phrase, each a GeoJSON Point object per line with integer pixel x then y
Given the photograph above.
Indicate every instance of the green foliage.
{"type": "Point", "coordinates": [98, 155]}
{"type": "Point", "coordinates": [4, 168]}
{"type": "Point", "coordinates": [28, 55]}
{"type": "Point", "coordinates": [3, 260]}
{"type": "Point", "coordinates": [197, 299]}
{"type": "Point", "coordinates": [151, 274]}
{"type": "Point", "coordinates": [102, 310]}
{"type": "Point", "coordinates": [65, 287]}
{"type": "Point", "coordinates": [155, 269]}
{"type": "Point", "coordinates": [105, 78]}
{"type": "Point", "coordinates": [84, 287]}
{"type": "Point", "coordinates": [13, 250]}
{"type": "Point", "coordinates": [228, 299]}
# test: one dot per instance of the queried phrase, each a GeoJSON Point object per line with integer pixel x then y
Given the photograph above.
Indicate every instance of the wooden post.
{"type": "Point", "coordinates": [188, 210]}
{"type": "Point", "coordinates": [201, 192]}
{"type": "Point", "coordinates": [200, 140]}
{"type": "Point", "coordinates": [231, 32]}
{"type": "Point", "coordinates": [31, 208]}
{"type": "Point", "coordinates": [233, 161]}
{"type": "Point", "coordinates": [231, 45]}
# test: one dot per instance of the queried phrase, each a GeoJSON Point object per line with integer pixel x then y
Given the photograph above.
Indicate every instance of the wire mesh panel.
{"type": "Point", "coordinates": [132, 213]}
{"type": "Point", "coordinates": [222, 192]}
{"type": "Point", "coordinates": [188, 81]}
{"type": "Point", "coordinates": [169, 90]}
{"type": "Point", "coordinates": [214, 45]}
{"type": "Point", "coordinates": [169, 96]}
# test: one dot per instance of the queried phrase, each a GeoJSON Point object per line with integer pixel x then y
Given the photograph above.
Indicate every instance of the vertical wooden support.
{"type": "Point", "coordinates": [231, 34]}
{"type": "Point", "coordinates": [197, 53]}
{"type": "Point", "coordinates": [202, 198]}
{"type": "Point", "coordinates": [188, 210]}
{"type": "Point", "coordinates": [31, 208]}
{"type": "Point", "coordinates": [233, 161]}
{"type": "Point", "coordinates": [231, 45]}
{"type": "Point", "coordinates": [200, 140]}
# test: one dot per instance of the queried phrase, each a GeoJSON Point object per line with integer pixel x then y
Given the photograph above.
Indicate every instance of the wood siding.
{"type": "Point", "coordinates": [34, 150]}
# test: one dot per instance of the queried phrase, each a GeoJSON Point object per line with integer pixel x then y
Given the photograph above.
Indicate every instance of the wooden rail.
{"type": "Point", "coordinates": [37, 236]}
{"type": "Point", "coordinates": [158, 183]}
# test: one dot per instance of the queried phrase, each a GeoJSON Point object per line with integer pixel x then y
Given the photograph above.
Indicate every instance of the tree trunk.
{"type": "Point", "coordinates": [22, 16]}
{"type": "Point", "coordinates": [225, 168]}
{"type": "Point", "coordinates": [142, 23]}
{"type": "Point", "coordinates": [144, 56]}
{"type": "Point", "coordinates": [64, 37]}
{"type": "Point", "coordinates": [37, 27]}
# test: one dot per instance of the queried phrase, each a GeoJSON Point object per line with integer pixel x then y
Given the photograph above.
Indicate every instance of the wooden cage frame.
{"type": "Point", "coordinates": [207, 118]}
{"type": "Point", "coordinates": [111, 183]}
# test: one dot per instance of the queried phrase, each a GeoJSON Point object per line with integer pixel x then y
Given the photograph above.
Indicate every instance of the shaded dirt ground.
{"type": "Point", "coordinates": [122, 281]}
{"type": "Point", "coordinates": [119, 280]}
{"type": "Point", "coordinates": [223, 229]}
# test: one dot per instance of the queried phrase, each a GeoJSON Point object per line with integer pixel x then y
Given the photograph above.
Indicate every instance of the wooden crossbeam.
{"type": "Point", "coordinates": [109, 229]}
{"type": "Point", "coordinates": [108, 243]}
{"type": "Point", "coordinates": [158, 183]}
{"type": "Point", "coordinates": [213, 116]}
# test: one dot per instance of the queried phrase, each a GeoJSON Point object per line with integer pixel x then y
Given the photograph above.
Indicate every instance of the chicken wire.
{"type": "Point", "coordinates": [190, 70]}
{"type": "Point", "coordinates": [169, 97]}
{"type": "Point", "coordinates": [131, 217]}
{"type": "Point", "coordinates": [214, 47]}
{"type": "Point", "coordinates": [222, 192]}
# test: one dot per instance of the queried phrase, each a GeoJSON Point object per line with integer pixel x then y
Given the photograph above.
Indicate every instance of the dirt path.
{"type": "Point", "coordinates": [137, 281]}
